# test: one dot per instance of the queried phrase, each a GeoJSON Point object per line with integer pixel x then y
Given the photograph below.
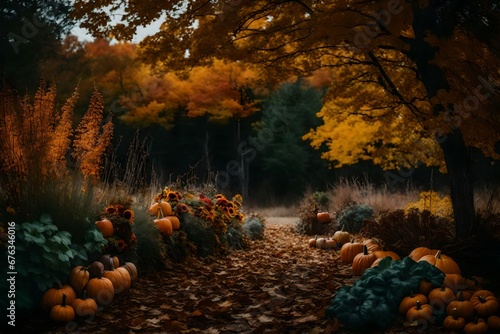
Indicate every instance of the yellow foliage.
{"type": "Point", "coordinates": [431, 201]}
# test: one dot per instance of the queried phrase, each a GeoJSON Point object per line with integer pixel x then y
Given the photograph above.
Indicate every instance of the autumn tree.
{"type": "Point", "coordinates": [433, 64]}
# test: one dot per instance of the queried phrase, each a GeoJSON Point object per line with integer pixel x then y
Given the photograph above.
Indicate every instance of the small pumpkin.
{"type": "Point", "coordinates": [378, 260]}
{"type": "Point", "coordinates": [84, 307]}
{"type": "Point", "coordinates": [323, 217]}
{"type": "Point", "coordinates": [161, 209]}
{"type": "Point", "coordinates": [372, 245]}
{"type": "Point", "coordinates": [494, 322]}
{"type": "Point", "coordinates": [62, 312]}
{"type": "Point", "coordinates": [106, 227]}
{"type": "Point", "coordinates": [132, 270]}
{"type": "Point", "coordinates": [115, 277]}
{"type": "Point", "coordinates": [425, 286]}
{"type": "Point", "coordinates": [127, 279]}
{"type": "Point", "coordinates": [464, 308]}
{"type": "Point", "coordinates": [455, 282]}
{"type": "Point", "coordinates": [439, 298]}
{"type": "Point", "coordinates": [420, 312]}
{"type": "Point", "coordinates": [164, 225]}
{"type": "Point", "coordinates": [53, 296]}
{"type": "Point", "coordinates": [485, 303]}
{"type": "Point", "coordinates": [176, 223]}
{"type": "Point", "coordinates": [383, 254]}
{"type": "Point", "coordinates": [453, 322]}
{"type": "Point", "coordinates": [478, 326]}
{"type": "Point", "coordinates": [420, 252]}
{"type": "Point", "coordinates": [101, 290]}
{"type": "Point", "coordinates": [78, 278]}
{"type": "Point", "coordinates": [96, 269]}
{"type": "Point", "coordinates": [330, 244]}
{"type": "Point", "coordinates": [107, 259]}
{"type": "Point", "coordinates": [444, 263]}
{"type": "Point", "coordinates": [362, 261]}
{"type": "Point", "coordinates": [411, 301]}
{"type": "Point", "coordinates": [341, 237]}
{"type": "Point", "coordinates": [349, 250]}
{"type": "Point", "coordinates": [320, 243]}
{"type": "Point", "coordinates": [312, 242]}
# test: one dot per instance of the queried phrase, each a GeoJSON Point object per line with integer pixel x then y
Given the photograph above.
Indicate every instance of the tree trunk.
{"type": "Point", "coordinates": [456, 154]}
{"type": "Point", "coordinates": [459, 165]}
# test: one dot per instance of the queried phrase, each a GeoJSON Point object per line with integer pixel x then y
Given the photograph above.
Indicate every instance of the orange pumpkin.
{"type": "Point", "coordinates": [455, 282]}
{"type": "Point", "coordinates": [485, 303]}
{"type": "Point", "coordinates": [62, 312]}
{"type": "Point", "coordinates": [420, 313]}
{"type": "Point", "coordinates": [478, 326]}
{"type": "Point", "coordinates": [101, 290]}
{"type": "Point", "coordinates": [349, 251]}
{"type": "Point", "coordinates": [362, 261]}
{"type": "Point", "coordinates": [132, 269]}
{"type": "Point", "coordinates": [464, 308]}
{"type": "Point", "coordinates": [78, 278]}
{"type": "Point", "coordinates": [53, 296]}
{"type": "Point", "coordinates": [410, 301]}
{"type": "Point", "coordinates": [84, 307]}
{"type": "Point", "coordinates": [116, 278]}
{"type": "Point", "coordinates": [383, 254]}
{"type": "Point", "coordinates": [439, 298]}
{"type": "Point", "coordinates": [494, 322]}
{"type": "Point", "coordinates": [425, 286]}
{"type": "Point", "coordinates": [176, 224]}
{"type": "Point", "coordinates": [323, 217]}
{"type": "Point", "coordinates": [372, 245]}
{"type": "Point", "coordinates": [420, 252]}
{"type": "Point", "coordinates": [164, 225]}
{"type": "Point", "coordinates": [108, 259]}
{"type": "Point", "coordinates": [106, 227]}
{"type": "Point", "coordinates": [453, 322]}
{"type": "Point", "coordinates": [127, 280]}
{"type": "Point", "coordinates": [161, 209]}
{"type": "Point", "coordinates": [444, 263]}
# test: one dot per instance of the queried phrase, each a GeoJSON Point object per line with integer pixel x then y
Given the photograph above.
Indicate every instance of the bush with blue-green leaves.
{"type": "Point", "coordinates": [352, 216]}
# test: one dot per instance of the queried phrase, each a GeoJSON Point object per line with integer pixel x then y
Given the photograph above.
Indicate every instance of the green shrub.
{"type": "Point", "coordinates": [235, 237]}
{"type": "Point", "coordinates": [201, 234]}
{"type": "Point", "coordinates": [254, 226]}
{"type": "Point", "coordinates": [150, 249]}
{"type": "Point", "coordinates": [352, 216]}
{"type": "Point", "coordinates": [45, 255]}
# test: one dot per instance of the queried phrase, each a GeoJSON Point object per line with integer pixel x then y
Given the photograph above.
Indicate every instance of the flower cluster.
{"type": "Point", "coordinates": [430, 200]}
{"type": "Point", "coordinates": [122, 217]}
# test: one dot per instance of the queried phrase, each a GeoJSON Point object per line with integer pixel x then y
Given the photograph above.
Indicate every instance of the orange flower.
{"type": "Point", "coordinates": [129, 215]}
{"type": "Point", "coordinates": [182, 208]}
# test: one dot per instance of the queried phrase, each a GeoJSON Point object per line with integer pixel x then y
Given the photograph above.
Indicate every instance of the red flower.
{"type": "Point", "coordinates": [120, 245]}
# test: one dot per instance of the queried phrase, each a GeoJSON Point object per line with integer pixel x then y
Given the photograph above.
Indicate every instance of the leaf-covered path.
{"type": "Point", "coordinates": [279, 285]}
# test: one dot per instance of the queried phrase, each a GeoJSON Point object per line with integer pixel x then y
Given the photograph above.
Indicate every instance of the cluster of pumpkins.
{"type": "Point", "coordinates": [461, 305]}
{"type": "Point", "coordinates": [94, 285]}
{"type": "Point", "coordinates": [334, 242]}
{"type": "Point", "coordinates": [166, 221]}
{"type": "Point", "coordinates": [464, 306]}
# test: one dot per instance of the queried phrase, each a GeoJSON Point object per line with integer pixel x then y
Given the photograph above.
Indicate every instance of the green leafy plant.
{"type": "Point", "coordinates": [150, 249]}
{"type": "Point", "coordinates": [352, 216]}
{"type": "Point", "coordinates": [47, 253]}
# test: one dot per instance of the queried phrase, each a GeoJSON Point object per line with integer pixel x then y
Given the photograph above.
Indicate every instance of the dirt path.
{"type": "Point", "coordinates": [279, 285]}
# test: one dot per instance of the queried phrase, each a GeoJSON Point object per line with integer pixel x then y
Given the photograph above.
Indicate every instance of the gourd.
{"type": "Point", "coordinates": [420, 252]}
{"type": "Point", "coordinates": [478, 326]}
{"type": "Point", "coordinates": [439, 298]}
{"type": "Point", "coordinates": [320, 243]}
{"type": "Point", "coordinates": [84, 306]}
{"type": "Point", "coordinates": [96, 269]}
{"type": "Point", "coordinates": [341, 237]}
{"type": "Point", "coordinates": [78, 278]}
{"type": "Point", "coordinates": [132, 270]}
{"type": "Point", "coordinates": [115, 277]}
{"type": "Point", "coordinates": [362, 261]}
{"type": "Point", "coordinates": [349, 250]}
{"type": "Point", "coordinates": [323, 217]}
{"type": "Point", "coordinates": [53, 296]}
{"type": "Point", "coordinates": [106, 227]}
{"type": "Point", "coordinates": [62, 312]}
{"type": "Point", "coordinates": [453, 322]}
{"type": "Point", "coordinates": [411, 301]}
{"type": "Point", "coordinates": [444, 263]}
{"type": "Point", "coordinates": [485, 303]}
{"type": "Point", "coordinates": [176, 223]}
{"type": "Point", "coordinates": [101, 290]}
{"type": "Point", "coordinates": [420, 312]}
{"type": "Point", "coordinates": [164, 225]}
{"type": "Point", "coordinates": [464, 308]}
